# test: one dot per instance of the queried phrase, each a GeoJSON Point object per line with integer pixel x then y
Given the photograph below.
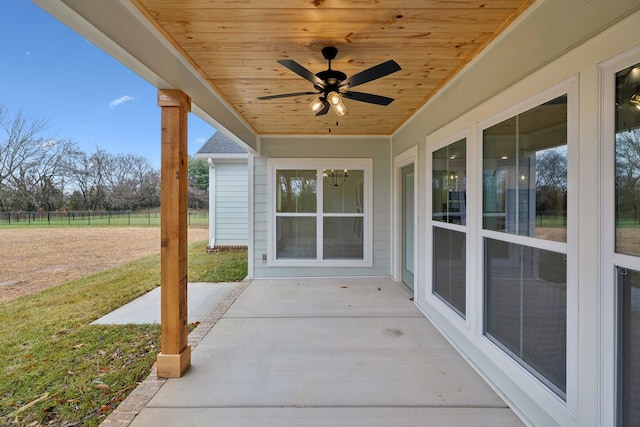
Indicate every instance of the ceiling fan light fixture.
{"type": "Point", "coordinates": [316, 105]}
{"type": "Point", "coordinates": [635, 100]}
{"type": "Point", "coordinates": [340, 109]}
{"type": "Point", "coordinates": [334, 98]}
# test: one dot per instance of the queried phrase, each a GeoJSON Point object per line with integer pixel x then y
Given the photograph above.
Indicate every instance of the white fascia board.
{"type": "Point", "coordinates": [120, 30]}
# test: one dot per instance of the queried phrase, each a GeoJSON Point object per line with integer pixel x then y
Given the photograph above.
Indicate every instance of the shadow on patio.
{"type": "Point", "coordinates": [325, 352]}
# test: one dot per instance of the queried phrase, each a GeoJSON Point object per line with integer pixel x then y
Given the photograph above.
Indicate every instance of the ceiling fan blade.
{"type": "Point", "coordinates": [367, 97]}
{"type": "Point", "coordinates": [372, 73]}
{"type": "Point", "coordinates": [287, 95]}
{"type": "Point", "coordinates": [301, 71]}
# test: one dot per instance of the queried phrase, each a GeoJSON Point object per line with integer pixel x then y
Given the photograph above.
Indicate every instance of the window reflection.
{"type": "Point", "coordinates": [628, 161]}
{"type": "Point", "coordinates": [296, 191]}
{"type": "Point", "coordinates": [525, 173]}
{"type": "Point", "coordinates": [449, 183]}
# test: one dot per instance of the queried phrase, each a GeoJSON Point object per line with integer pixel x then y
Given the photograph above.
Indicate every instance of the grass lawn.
{"type": "Point", "coordinates": [56, 369]}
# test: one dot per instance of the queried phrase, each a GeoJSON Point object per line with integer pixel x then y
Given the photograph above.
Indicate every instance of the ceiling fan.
{"type": "Point", "coordinates": [332, 85]}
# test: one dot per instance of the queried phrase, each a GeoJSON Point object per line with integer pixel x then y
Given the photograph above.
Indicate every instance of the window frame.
{"type": "Point", "coordinates": [609, 290]}
{"type": "Point", "coordinates": [364, 164]}
{"type": "Point", "coordinates": [432, 298]}
{"type": "Point", "coordinates": [569, 248]}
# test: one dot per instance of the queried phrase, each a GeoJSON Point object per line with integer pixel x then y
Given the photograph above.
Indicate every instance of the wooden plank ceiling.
{"type": "Point", "coordinates": [235, 44]}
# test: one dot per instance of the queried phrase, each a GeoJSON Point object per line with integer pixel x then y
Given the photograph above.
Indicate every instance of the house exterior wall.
{"type": "Point", "coordinates": [375, 148]}
{"type": "Point", "coordinates": [231, 203]}
{"type": "Point", "coordinates": [530, 77]}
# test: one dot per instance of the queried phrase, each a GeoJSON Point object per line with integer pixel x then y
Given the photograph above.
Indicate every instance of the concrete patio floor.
{"type": "Point", "coordinates": [326, 352]}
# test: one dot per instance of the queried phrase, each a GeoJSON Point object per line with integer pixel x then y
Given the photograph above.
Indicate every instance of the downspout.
{"type": "Point", "coordinates": [212, 204]}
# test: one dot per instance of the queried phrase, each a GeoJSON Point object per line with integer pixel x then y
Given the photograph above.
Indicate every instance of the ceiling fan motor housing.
{"type": "Point", "coordinates": [332, 78]}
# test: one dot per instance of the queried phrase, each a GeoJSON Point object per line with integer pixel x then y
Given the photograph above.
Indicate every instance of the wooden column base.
{"type": "Point", "coordinates": [173, 365]}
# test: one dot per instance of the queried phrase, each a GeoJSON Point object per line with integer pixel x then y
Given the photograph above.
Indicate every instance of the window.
{"type": "Point", "coordinates": [449, 211]}
{"type": "Point", "coordinates": [629, 346]}
{"type": "Point", "coordinates": [450, 183]}
{"type": "Point", "coordinates": [525, 173]}
{"type": "Point", "coordinates": [627, 152]}
{"type": "Point", "coordinates": [321, 212]}
{"type": "Point", "coordinates": [627, 232]}
{"type": "Point", "coordinates": [524, 197]}
{"type": "Point", "coordinates": [525, 302]}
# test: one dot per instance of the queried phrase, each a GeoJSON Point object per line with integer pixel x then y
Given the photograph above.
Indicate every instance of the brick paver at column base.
{"type": "Point", "coordinates": [125, 413]}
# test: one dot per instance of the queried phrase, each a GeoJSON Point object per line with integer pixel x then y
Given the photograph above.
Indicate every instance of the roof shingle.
{"type": "Point", "coordinates": [220, 144]}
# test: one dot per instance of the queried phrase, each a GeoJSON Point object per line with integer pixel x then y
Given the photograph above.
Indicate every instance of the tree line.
{"type": "Point", "coordinates": [49, 174]}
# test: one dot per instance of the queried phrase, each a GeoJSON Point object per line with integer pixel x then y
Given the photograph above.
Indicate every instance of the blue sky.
{"type": "Point", "coordinates": [49, 71]}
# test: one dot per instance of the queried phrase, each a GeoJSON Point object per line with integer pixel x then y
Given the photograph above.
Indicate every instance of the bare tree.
{"type": "Point", "coordinates": [551, 180]}
{"type": "Point", "coordinates": [30, 164]}
{"type": "Point", "coordinates": [132, 182]}
{"type": "Point", "coordinates": [88, 173]}
{"type": "Point", "coordinates": [628, 172]}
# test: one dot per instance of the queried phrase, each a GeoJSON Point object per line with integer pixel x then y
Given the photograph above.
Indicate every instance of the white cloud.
{"type": "Point", "coordinates": [201, 140]}
{"type": "Point", "coordinates": [116, 102]}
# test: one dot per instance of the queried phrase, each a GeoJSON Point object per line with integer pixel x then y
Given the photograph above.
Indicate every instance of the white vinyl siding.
{"type": "Point", "coordinates": [231, 204]}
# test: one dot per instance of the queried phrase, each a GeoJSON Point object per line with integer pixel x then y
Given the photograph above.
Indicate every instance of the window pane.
{"type": "Point", "coordinates": [449, 267]}
{"type": "Point", "coordinates": [628, 161]}
{"type": "Point", "coordinates": [629, 346]}
{"type": "Point", "coordinates": [525, 308]}
{"type": "Point", "coordinates": [343, 238]}
{"type": "Point", "coordinates": [296, 191]}
{"type": "Point", "coordinates": [449, 183]}
{"type": "Point", "coordinates": [343, 194]}
{"type": "Point", "coordinates": [525, 173]}
{"type": "Point", "coordinates": [296, 237]}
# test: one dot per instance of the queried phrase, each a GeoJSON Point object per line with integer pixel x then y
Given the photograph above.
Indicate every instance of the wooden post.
{"type": "Point", "coordinates": [175, 353]}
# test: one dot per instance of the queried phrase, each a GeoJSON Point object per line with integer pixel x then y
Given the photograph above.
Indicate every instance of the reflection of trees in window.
{"type": "Point", "coordinates": [551, 181]}
{"type": "Point", "coordinates": [627, 174]}
{"type": "Point", "coordinates": [297, 191]}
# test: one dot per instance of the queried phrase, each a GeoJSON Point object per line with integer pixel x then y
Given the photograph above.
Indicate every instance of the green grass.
{"type": "Point", "coordinates": [56, 369]}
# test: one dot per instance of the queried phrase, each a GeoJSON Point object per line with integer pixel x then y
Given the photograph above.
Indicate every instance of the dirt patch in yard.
{"type": "Point", "coordinates": [32, 259]}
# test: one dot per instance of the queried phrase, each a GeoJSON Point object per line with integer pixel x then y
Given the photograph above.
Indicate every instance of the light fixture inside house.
{"type": "Point", "coordinates": [504, 157]}
{"type": "Point", "coordinates": [635, 100]}
{"type": "Point", "coordinates": [319, 106]}
{"type": "Point", "coordinates": [335, 177]}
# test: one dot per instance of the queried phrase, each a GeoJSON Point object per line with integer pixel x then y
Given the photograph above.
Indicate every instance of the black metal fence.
{"type": "Point", "coordinates": [199, 218]}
